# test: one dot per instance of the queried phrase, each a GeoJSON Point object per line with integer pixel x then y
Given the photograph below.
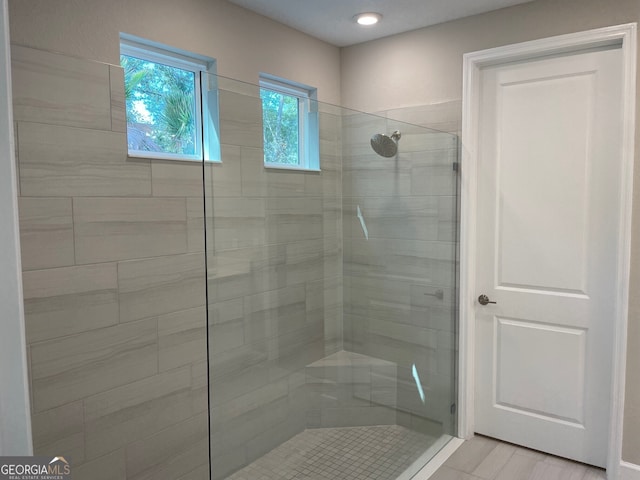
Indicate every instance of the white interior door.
{"type": "Point", "coordinates": [548, 206]}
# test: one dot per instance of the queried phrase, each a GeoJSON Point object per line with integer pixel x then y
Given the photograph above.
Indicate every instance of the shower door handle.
{"type": "Point", "coordinates": [484, 300]}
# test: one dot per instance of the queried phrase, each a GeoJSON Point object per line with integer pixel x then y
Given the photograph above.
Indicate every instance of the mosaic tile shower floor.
{"type": "Point", "coordinates": [352, 453]}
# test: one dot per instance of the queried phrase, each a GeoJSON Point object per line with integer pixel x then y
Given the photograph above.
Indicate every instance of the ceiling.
{"type": "Point", "coordinates": [332, 20]}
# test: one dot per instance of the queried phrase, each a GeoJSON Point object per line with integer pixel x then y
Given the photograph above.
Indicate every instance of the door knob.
{"type": "Point", "coordinates": [484, 300]}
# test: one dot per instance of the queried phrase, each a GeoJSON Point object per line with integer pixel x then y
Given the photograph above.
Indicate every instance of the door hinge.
{"type": "Point", "coordinates": [453, 409]}
{"type": "Point", "coordinates": [456, 166]}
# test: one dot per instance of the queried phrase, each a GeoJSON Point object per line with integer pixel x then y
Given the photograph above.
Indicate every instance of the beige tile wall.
{"type": "Point", "coordinates": [114, 279]}
{"type": "Point", "coordinates": [114, 282]}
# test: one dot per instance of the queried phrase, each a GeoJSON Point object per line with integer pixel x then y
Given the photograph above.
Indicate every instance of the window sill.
{"type": "Point", "coordinates": [165, 158]}
{"type": "Point", "coordinates": [291, 168]}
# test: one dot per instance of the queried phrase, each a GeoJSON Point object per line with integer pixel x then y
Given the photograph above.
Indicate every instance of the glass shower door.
{"type": "Point", "coordinates": [400, 228]}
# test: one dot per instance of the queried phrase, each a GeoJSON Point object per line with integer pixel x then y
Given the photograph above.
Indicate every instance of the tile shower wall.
{"type": "Point", "coordinates": [114, 280]}
{"type": "Point", "coordinates": [274, 282]}
{"type": "Point", "coordinates": [399, 263]}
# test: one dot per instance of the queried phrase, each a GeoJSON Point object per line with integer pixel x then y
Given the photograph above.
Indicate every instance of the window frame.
{"type": "Point", "coordinates": [308, 142]}
{"type": "Point", "coordinates": [205, 148]}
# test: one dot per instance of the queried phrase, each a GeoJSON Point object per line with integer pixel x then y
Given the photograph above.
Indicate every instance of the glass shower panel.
{"type": "Point", "coordinates": [330, 299]}
{"type": "Point", "coordinates": [400, 268]}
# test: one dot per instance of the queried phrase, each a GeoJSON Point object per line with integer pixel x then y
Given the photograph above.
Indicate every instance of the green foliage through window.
{"type": "Point", "coordinates": [161, 107]}
{"type": "Point", "coordinates": [281, 125]}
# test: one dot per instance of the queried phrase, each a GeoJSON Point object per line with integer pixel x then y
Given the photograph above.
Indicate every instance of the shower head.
{"type": "Point", "coordinates": [384, 145]}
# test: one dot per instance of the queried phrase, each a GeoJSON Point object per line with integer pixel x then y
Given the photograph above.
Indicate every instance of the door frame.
{"type": "Point", "coordinates": [624, 37]}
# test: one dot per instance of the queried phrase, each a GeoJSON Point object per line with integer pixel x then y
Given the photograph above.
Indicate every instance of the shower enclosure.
{"type": "Point", "coordinates": [330, 298]}
{"type": "Point", "coordinates": [321, 344]}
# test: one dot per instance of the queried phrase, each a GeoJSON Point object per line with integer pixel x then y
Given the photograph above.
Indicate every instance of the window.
{"type": "Point", "coordinates": [166, 108]}
{"type": "Point", "coordinates": [290, 124]}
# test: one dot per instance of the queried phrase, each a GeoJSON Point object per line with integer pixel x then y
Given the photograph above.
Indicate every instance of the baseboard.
{"type": "Point", "coordinates": [629, 471]}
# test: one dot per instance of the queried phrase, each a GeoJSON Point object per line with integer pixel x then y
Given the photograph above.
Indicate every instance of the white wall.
{"type": "Point", "coordinates": [425, 67]}
{"type": "Point", "coordinates": [15, 421]}
{"type": "Point", "coordinates": [243, 42]}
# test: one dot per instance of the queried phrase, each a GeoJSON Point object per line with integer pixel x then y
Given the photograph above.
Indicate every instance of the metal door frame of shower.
{"type": "Point", "coordinates": [625, 37]}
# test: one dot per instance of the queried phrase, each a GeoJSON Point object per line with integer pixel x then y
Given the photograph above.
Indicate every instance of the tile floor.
{"type": "Point", "coordinates": [484, 458]}
{"type": "Point", "coordinates": [384, 452]}
{"type": "Point", "coordinates": [352, 453]}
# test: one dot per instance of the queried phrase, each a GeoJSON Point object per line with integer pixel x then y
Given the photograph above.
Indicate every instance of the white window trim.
{"type": "Point", "coordinates": [308, 143]}
{"type": "Point", "coordinates": [206, 148]}
{"type": "Point", "coordinates": [163, 55]}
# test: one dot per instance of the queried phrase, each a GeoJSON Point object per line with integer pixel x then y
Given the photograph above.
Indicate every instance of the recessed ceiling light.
{"type": "Point", "coordinates": [368, 19]}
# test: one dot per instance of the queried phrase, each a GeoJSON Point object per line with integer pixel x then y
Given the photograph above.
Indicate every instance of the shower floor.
{"type": "Point", "coordinates": [351, 453]}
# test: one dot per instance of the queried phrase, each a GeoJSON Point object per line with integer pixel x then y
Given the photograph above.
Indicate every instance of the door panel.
{"type": "Point", "coordinates": [529, 204]}
{"type": "Point", "coordinates": [525, 352]}
{"type": "Point", "coordinates": [548, 210]}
